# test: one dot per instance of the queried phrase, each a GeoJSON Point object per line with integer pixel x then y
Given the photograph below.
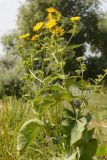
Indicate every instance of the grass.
{"type": "Point", "coordinates": [14, 112]}
{"type": "Point", "coordinates": [98, 108]}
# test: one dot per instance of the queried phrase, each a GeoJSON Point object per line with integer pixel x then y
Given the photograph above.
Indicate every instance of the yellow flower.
{"type": "Point", "coordinates": [56, 16]}
{"type": "Point", "coordinates": [24, 36]}
{"type": "Point", "coordinates": [75, 19]}
{"type": "Point", "coordinates": [58, 31]}
{"type": "Point", "coordinates": [38, 26]}
{"type": "Point", "coordinates": [35, 37]}
{"type": "Point", "coordinates": [51, 23]}
{"type": "Point", "coordinates": [51, 10]}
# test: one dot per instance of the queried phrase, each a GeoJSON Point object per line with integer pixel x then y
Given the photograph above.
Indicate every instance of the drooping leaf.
{"type": "Point", "coordinates": [76, 132]}
{"type": "Point", "coordinates": [60, 96]}
{"type": "Point", "coordinates": [51, 88]}
{"type": "Point", "coordinates": [27, 133]}
{"type": "Point", "coordinates": [46, 104]}
{"type": "Point", "coordinates": [68, 122]}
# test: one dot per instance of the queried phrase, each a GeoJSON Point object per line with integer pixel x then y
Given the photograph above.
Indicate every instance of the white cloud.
{"type": "Point", "coordinates": [8, 12]}
{"type": "Point", "coordinates": [104, 5]}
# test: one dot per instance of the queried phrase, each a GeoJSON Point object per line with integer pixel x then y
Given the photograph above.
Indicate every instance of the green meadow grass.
{"type": "Point", "coordinates": [98, 108]}
{"type": "Point", "coordinates": [12, 115]}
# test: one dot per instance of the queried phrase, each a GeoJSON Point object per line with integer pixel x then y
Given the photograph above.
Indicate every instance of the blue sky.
{"type": "Point", "coordinates": [8, 12]}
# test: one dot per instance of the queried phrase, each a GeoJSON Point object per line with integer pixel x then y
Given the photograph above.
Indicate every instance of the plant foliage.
{"type": "Point", "coordinates": [61, 113]}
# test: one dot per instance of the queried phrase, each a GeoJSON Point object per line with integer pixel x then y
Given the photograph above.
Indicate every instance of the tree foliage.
{"type": "Point", "coordinates": [11, 70]}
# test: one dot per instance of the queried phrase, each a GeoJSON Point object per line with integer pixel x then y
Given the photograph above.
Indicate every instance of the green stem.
{"type": "Point", "coordinates": [74, 111]}
{"type": "Point", "coordinates": [55, 57]}
{"type": "Point", "coordinates": [36, 77]}
{"type": "Point", "coordinates": [74, 29]}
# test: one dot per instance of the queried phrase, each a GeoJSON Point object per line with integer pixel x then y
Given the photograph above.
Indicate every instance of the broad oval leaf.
{"type": "Point", "coordinates": [73, 46]}
{"type": "Point", "coordinates": [27, 133]}
{"type": "Point", "coordinates": [89, 150]}
{"type": "Point", "coordinates": [76, 132]}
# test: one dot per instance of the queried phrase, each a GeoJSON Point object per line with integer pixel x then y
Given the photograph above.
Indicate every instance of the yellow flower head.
{"type": "Point", "coordinates": [58, 31]}
{"type": "Point", "coordinates": [35, 37]}
{"type": "Point", "coordinates": [51, 23]}
{"type": "Point", "coordinates": [25, 36]}
{"type": "Point", "coordinates": [56, 16]}
{"type": "Point", "coordinates": [51, 10]}
{"type": "Point", "coordinates": [38, 26]}
{"type": "Point", "coordinates": [75, 19]}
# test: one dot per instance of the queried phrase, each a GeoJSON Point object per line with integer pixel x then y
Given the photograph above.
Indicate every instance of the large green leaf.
{"type": "Point", "coordinates": [101, 151]}
{"type": "Point", "coordinates": [60, 96]}
{"type": "Point", "coordinates": [73, 46]}
{"type": "Point", "coordinates": [76, 132]}
{"type": "Point", "coordinates": [49, 79]}
{"type": "Point", "coordinates": [27, 133]}
{"type": "Point", "coordinates": [51, 88]}
{"type": "Point", "coordinates": [89, 150]}
{"type": "Point", "coordinates": [46, 104]}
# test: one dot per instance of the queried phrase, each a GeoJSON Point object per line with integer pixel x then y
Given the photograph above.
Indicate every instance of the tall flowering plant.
{"type": "Point", "coordinates": [61, 116]}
